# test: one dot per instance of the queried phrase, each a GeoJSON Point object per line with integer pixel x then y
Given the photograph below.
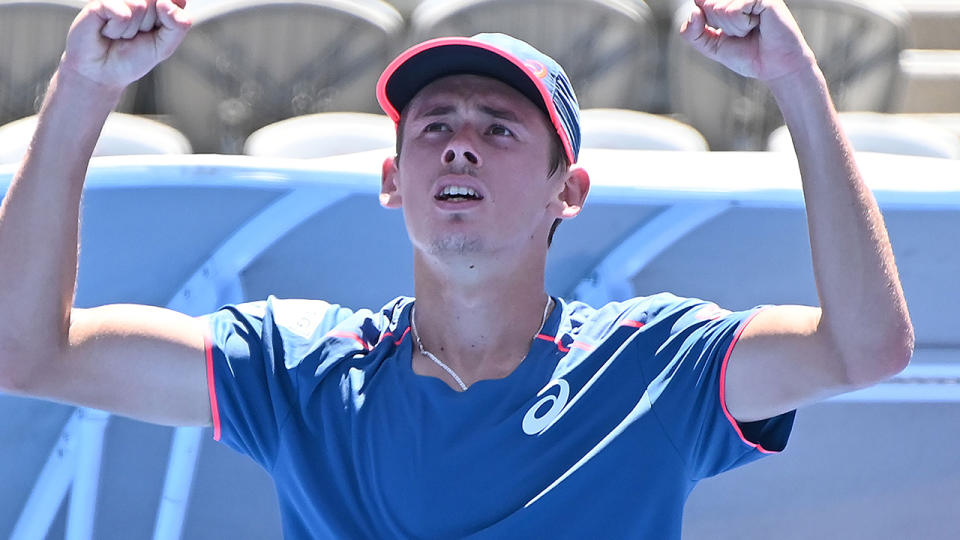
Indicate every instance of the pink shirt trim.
{"type": "Point", "coordinates": [350, 335]}
{"type": "Point", "coordinates": [212, 387]}
{"type": "Point", "coordinates": [723, 389]}
{"type": "Point", "coordinates": [580, 344]}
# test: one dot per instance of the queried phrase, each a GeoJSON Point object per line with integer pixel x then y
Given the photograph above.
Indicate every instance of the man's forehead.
{"type": "Point", "coordinates": [456, 89]}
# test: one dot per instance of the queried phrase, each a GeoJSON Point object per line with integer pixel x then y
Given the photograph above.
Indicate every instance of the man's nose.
{"type": "Point", "coordinates": [460, 149]}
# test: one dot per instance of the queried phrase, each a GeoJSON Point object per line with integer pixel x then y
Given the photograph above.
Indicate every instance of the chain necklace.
{"type": "Point", "coordinates": [448, 369]}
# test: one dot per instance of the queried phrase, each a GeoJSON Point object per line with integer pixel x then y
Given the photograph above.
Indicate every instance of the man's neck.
{"type": "Point", "coordinates": [480, 324]}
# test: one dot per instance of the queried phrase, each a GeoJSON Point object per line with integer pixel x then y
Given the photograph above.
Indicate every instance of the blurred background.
{"type": "Point", "coordinates": [283, 89]}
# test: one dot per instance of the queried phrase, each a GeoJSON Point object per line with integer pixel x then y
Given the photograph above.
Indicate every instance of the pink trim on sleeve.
{"type": "Point", "coordinates": [723, 388]}
{"type": "Point", "coordinates": [211, 386]}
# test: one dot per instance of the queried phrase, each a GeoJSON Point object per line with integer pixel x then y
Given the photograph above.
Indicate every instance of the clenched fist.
{"type": "Point", "coordinates": [755, 38]}
{"type": "Point", "coordinates": [115, 42]}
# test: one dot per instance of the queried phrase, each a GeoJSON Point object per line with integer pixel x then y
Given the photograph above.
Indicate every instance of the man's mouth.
{"type": "Point", "coordinates": [458, 193]}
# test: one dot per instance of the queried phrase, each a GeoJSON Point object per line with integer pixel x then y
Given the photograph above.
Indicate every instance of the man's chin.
{"type": "Point", "coordinates": [458, 244]}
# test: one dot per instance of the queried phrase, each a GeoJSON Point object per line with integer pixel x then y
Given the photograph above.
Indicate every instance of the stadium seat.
{"type": "Point", "coordinates": [634, 130]}
{"type": "Point", "coordinates": [123, 134]}
{"type": "Point", "coordinates": [321, 135]}
{"type": "Point", "coordinates": [32, 38]}
{"type": "Point", "coordinates": [857, 44]}
{"type": "Point", "coordinates": [405, 7]}
{"type": "Point", "coordinates": [249, 63]}
{"type": "Point", "coordinates": [607, 47]}
{"type": "Point", "coordinates": [885, 133]}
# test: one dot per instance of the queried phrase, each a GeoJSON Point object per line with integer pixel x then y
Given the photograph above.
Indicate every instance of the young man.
{"type": "Point", "coordinates": [485, 408]}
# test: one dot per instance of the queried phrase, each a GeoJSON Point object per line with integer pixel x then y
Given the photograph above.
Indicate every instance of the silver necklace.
{"type": "Point", "coordinates": [448, 369]}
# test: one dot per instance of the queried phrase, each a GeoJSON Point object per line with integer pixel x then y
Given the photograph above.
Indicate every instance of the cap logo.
{"type": "Point", "coordinates": [537, 68]}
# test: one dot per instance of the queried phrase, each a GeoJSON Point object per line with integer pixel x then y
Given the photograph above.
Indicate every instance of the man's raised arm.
{"type": "Point", "coordinates": [792, 355]}
{"type": "Point", "coordinates": [137, 361]}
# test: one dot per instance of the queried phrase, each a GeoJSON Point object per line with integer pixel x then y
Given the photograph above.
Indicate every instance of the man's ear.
{"type": "Point", "coordinates": [574, 193]}
{"type": "Point", "coordinates": [389, 191]}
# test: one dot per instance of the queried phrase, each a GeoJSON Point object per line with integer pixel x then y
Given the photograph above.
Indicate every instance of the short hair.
{"type": "Point", "coordinates": [558, 160]}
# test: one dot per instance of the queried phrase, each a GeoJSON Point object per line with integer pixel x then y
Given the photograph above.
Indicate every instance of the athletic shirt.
{"type": "Point", "coordinates": [601, 431]}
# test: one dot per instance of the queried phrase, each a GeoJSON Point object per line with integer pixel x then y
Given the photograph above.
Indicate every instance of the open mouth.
{"type": "Point", "coordinates": [458, 194]}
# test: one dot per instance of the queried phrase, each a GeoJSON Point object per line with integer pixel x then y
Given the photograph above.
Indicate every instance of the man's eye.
{"type": "Point", "coordinates": [436, 127]}
{"type": "Point", "coordinates": [498, 129]}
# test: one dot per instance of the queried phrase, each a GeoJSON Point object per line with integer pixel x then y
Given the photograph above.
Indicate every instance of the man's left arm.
{"type": "Point", "coordinates": [789, 356]}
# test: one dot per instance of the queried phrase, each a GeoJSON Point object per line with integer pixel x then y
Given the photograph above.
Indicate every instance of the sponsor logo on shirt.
{"type": "Point", "coordinates": [535, 423]}
{"type": "Point", "coordinates": [300, 317]}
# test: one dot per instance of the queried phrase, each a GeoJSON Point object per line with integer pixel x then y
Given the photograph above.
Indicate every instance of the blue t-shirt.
{"type": "Point", "coordinates": [601, 432]}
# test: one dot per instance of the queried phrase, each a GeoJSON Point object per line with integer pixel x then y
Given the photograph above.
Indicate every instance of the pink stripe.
{"type": "Point", "coordinates": [211, 386]}
{"type": "Point", "coordinates": [399, 341]}
{"type": "Point", "coordinates": [403, 336]}
{"type": "Point", "coordinates": [553, 340]}
{"type": "Point", "coordinates": [582, 346]}
{"type": "Point", "coordinates": [348, 335]}
{"type": "Point", "coordinates": [394, 114]}
{"type": "Point", "coordinates": [723, 388]}
{"type": "Point", "coordinates": [575, 345]}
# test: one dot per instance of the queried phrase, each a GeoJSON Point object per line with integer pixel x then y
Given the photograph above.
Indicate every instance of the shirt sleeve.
{"type": "Point", "coordinates": [253, 352]}
{"type": "Point", "coordinates": [687, 389]}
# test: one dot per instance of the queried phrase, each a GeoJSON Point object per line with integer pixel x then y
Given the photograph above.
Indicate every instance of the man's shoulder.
{"type": "Point", "coordinates": [642, 308]}
{"type": "Point", "coordinates": [310, 319]}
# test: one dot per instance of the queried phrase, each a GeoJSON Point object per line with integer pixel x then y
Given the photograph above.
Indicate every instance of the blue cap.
{"type": "Point", "coordinates": [499, 56]}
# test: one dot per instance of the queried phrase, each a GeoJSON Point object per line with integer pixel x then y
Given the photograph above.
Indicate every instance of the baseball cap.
{"type": "Point", "coordinates": [499, 56]}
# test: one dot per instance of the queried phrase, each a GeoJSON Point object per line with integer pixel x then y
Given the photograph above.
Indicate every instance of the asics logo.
{"type": "Point", "coordinates": [534, 424]}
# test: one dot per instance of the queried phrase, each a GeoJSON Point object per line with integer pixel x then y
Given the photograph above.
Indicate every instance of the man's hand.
{"type": "Point", "coordinates": [756, 38]}
{"type": "Point", "coordinates": [789, 356]}
{"type": "Point", "coordinates": [115, 42]}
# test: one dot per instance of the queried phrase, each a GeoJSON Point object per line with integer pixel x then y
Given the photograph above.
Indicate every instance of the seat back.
{"type": "Point", "coordinates": [607, 47]}
{"type": "Point", "coordinates": [857, 45]}
{"type": "Point", "coordinates": [250, 63]}
{"type": "Point", "coordinates": [122, 134]}
{"type": "Point", "coordinates": [32, 38]}
{"type": "Point", "coordinates": [321, 135]}
{"type": "Point", "coordinates": [885, 133]}
{"type": "Point", "coordinates": [634, 130]}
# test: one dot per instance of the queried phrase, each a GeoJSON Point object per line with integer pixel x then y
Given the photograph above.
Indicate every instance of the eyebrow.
{"type": "Point", "coordinates": [499, 113]}
{"type": "Point", "coordinates": [439, 110]}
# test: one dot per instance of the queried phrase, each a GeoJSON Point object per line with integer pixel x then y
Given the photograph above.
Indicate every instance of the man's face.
{"type": "Point", "coordinates": [473, 173]}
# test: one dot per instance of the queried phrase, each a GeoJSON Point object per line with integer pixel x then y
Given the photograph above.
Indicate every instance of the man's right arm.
{"type": "Point", "coordinates": [138, 361]}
